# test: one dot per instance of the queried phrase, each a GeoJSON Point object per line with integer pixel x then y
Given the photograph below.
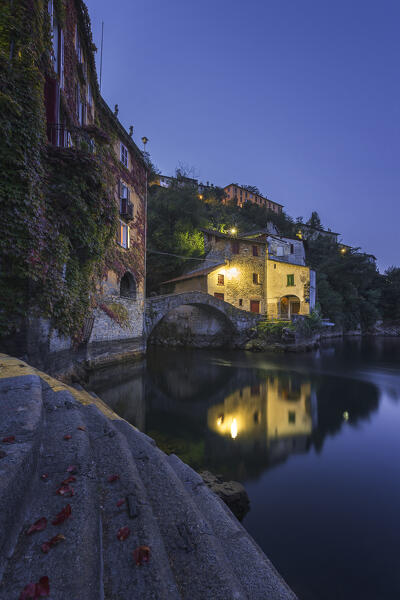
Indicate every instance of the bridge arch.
{"type": "Point", "coordinates": [158, 307]}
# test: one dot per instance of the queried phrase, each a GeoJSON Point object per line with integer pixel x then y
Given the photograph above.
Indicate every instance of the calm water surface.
{"type": "Point", "coordinates": [314, 438]}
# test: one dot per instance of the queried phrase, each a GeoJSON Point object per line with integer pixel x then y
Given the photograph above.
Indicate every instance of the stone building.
{"type": "Point", "coordinates": [241, 195]}
{"type": "Point", "coordinates": [234, 271]}
{"type": "Point", "coordinates": [77, 118]}
{"type": "Point", "coordinates": [257, 272]}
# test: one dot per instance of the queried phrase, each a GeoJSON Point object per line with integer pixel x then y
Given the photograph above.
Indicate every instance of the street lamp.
{"type": "Point", "coordinates": [144, 140]}
{"type": "Point", "coordinates": [233, 231]}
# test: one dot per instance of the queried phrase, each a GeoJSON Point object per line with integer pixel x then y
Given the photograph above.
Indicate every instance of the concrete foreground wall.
{"type": "Point", "coordinates": [189, 545]}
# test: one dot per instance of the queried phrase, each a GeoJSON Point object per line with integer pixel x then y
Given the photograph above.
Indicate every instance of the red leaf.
{"type": "Point", "coordinates": [63, 515]}
{"type": "Point", "coordinates": [70, 479]}
{"type": "Point", "coordinates": [121, 502]}
{"type": "Point", "coordinates": [28, 592]}
{"type": "Point", "coordinates": [67, 436]}
{"type": "Point", "coordinates": [44, 476]}
{"type": "Point", "coordinates": [36, 590]}
{"type": "Point", "coordinates": [81, 428]}
{"type": "Point", "coordinates": [9, 440]}
{"type": "Point", "coordinates": [123, 533]}
{"type": "Point", "coordinates": [42, 588]}
{"type": "Point", "coordinates": [72, 469]}
{"type": "Point", "coordinates": [53, 542]}
{"type": "Point", "coordinates": [39, 525]}
{"type": "Point", "coordinates": [113, 478]}
{"type": "Point", "coordinates": [141, 555]}
{"type": "Point", "coordinates": [65, 490]}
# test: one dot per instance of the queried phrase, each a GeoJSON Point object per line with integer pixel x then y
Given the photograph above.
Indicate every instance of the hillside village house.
{"type": "Point", "coordinates": [75, 114]}
{"type": "Point", "coordinates": [258, 272]}
{"type": "Point", "coordinates": [241, 195]}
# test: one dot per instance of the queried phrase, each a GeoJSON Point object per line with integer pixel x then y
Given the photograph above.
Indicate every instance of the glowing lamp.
{"type": "Point", "coordinates": [234, 429]}
{"type": "Point", "coordinates": [233, 231]}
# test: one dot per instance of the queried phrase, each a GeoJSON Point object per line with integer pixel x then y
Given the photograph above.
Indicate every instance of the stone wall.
{"type": "Point", "coordinates": [110, 337]}
{"type": "Point", "coordinates": [239, 287]}
{"type": "Point", "coordinates": [192, 326]}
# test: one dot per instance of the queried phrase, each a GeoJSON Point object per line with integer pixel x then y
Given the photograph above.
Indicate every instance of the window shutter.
{"type": "Point", "coordinates": [119, 237]}
{"type": "Point", "coordinates": [128, 236]}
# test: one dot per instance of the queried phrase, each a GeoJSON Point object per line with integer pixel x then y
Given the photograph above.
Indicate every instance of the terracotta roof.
{"type": "Point", "coordinates": [197, 273]}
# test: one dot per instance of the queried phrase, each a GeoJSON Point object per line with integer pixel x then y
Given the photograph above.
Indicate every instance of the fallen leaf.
{"type": "Point", "coordinates": [72, 469]}
{"type": "Point", "coordinates": [141, 555]}
{"type": "Point", "coordinates": [39, 525]}
{"type": "Point", "coordinates": [36, 590]}
{"type": "Point", "coordinates": [44, 476]}
{"type": "Point", "coordinates": [28, 592]}
{"type": "Point", "coordinates": [123, 533]}
{"type": "Point", "coordinates": [70, 479]}
{"type": "Point", "coordinates": [113, 478]}
{"type": "Point", "coordinates": [43, 587]}
{"type": "Point", "coordinates": [63, 515]}
{"type": "Point", "coordinates": [81, 428]}
{"type": "Point", "coordinates": [53, 542]}
{"type": "Point", "coordinates": [9, 439]}
{"type": "Point", "coordinates": [121, 502]}
{"type": "Point", "coordinates": [65, 490]}
{"type": "Point", "coordinates": [67, 436]}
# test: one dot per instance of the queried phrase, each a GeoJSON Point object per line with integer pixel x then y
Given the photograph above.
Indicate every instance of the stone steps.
{"type": "Point", "coordinates": [198, 548]}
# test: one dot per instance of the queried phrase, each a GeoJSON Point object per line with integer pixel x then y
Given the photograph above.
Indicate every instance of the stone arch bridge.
{"type": "Point", "coordinates": [158, 307]}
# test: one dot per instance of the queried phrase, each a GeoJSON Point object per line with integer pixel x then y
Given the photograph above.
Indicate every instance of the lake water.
{"type": "Point", "coordinates": [315, 439]}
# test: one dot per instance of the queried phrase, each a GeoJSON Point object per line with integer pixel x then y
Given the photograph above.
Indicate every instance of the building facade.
{"type": "Point", "coordinates": [78, 118]}
{"type": "Point", "coordinates": [241, 195]}
{"type": "Point", "coordinates": [248, 273]}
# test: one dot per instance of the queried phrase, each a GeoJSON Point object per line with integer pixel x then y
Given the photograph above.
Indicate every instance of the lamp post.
{"type": "Point", "coordinates": [144, 140]}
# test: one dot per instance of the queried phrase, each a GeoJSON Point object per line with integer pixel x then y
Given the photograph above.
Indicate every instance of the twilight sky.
{"type": "Point", "coordinates": [298, 97]}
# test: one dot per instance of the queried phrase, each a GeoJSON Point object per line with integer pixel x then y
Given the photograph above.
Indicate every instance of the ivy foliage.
{"type": "Point", "coordinates": [58, 217]}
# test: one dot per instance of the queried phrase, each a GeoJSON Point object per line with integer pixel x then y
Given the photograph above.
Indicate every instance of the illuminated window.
{"type": "Point", "coordinates": [290, 280]}
{"type": "Point", "coordinates": [124, 154]}
{"type": "Point", "coordinates": [221, 279]}
{"type": "Point", "coordinates": [256, 278]}
{"type": "Point", "coordinates": [218, 295]}
{"type": "Point", "coordinates": [123, 235]}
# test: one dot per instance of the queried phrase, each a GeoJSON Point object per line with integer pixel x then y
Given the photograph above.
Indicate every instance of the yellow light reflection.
{"type": "Point", "coordinates": [233, 272]}
{"type": "Point", "coordinates": [220, 420]}
{"type": "Point", "coordinates": [234, 429]}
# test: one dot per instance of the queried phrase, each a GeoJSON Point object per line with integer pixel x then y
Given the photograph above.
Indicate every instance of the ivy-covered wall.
{"type": "Point", "coordinates": [59, 214]}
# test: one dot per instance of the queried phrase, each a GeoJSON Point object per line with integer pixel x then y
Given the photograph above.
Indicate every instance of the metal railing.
{"type": "Point", "coordinates": [64, 136]}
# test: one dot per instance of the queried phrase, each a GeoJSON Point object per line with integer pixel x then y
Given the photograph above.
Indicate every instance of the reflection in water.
{"type": "Point", "coordinates": [314, 438]}
{"type": "Point", "coordinates": [236, 421]}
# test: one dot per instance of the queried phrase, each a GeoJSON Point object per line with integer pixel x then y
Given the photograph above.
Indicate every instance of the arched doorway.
{"type": "Point", "coordinates": [288, 306]}
{"type": "Point", "coordinates": [127, 287]}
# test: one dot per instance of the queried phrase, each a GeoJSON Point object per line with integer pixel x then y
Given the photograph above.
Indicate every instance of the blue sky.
{"type": "Point", "coordinates": [298, 97]}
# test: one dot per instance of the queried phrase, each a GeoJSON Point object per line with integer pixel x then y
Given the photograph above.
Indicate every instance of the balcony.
{"type": "Point", "coordinates": [126, 209]}
{"type": "Point", "coordinates": [63, 136]}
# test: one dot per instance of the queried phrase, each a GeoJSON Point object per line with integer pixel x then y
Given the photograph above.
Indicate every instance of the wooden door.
{"type": "Point", "coordinates": [255, 306]}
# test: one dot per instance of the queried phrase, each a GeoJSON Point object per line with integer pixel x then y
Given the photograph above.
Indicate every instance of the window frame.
{"type": "Point", "coordinates": [256, 278]}
{"type": "Point", "coordinates": [123, 154]}
{"type": "Point", "coordinates": [290, 280]}
{"type": "Point", "coordinates": [220, 279]}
